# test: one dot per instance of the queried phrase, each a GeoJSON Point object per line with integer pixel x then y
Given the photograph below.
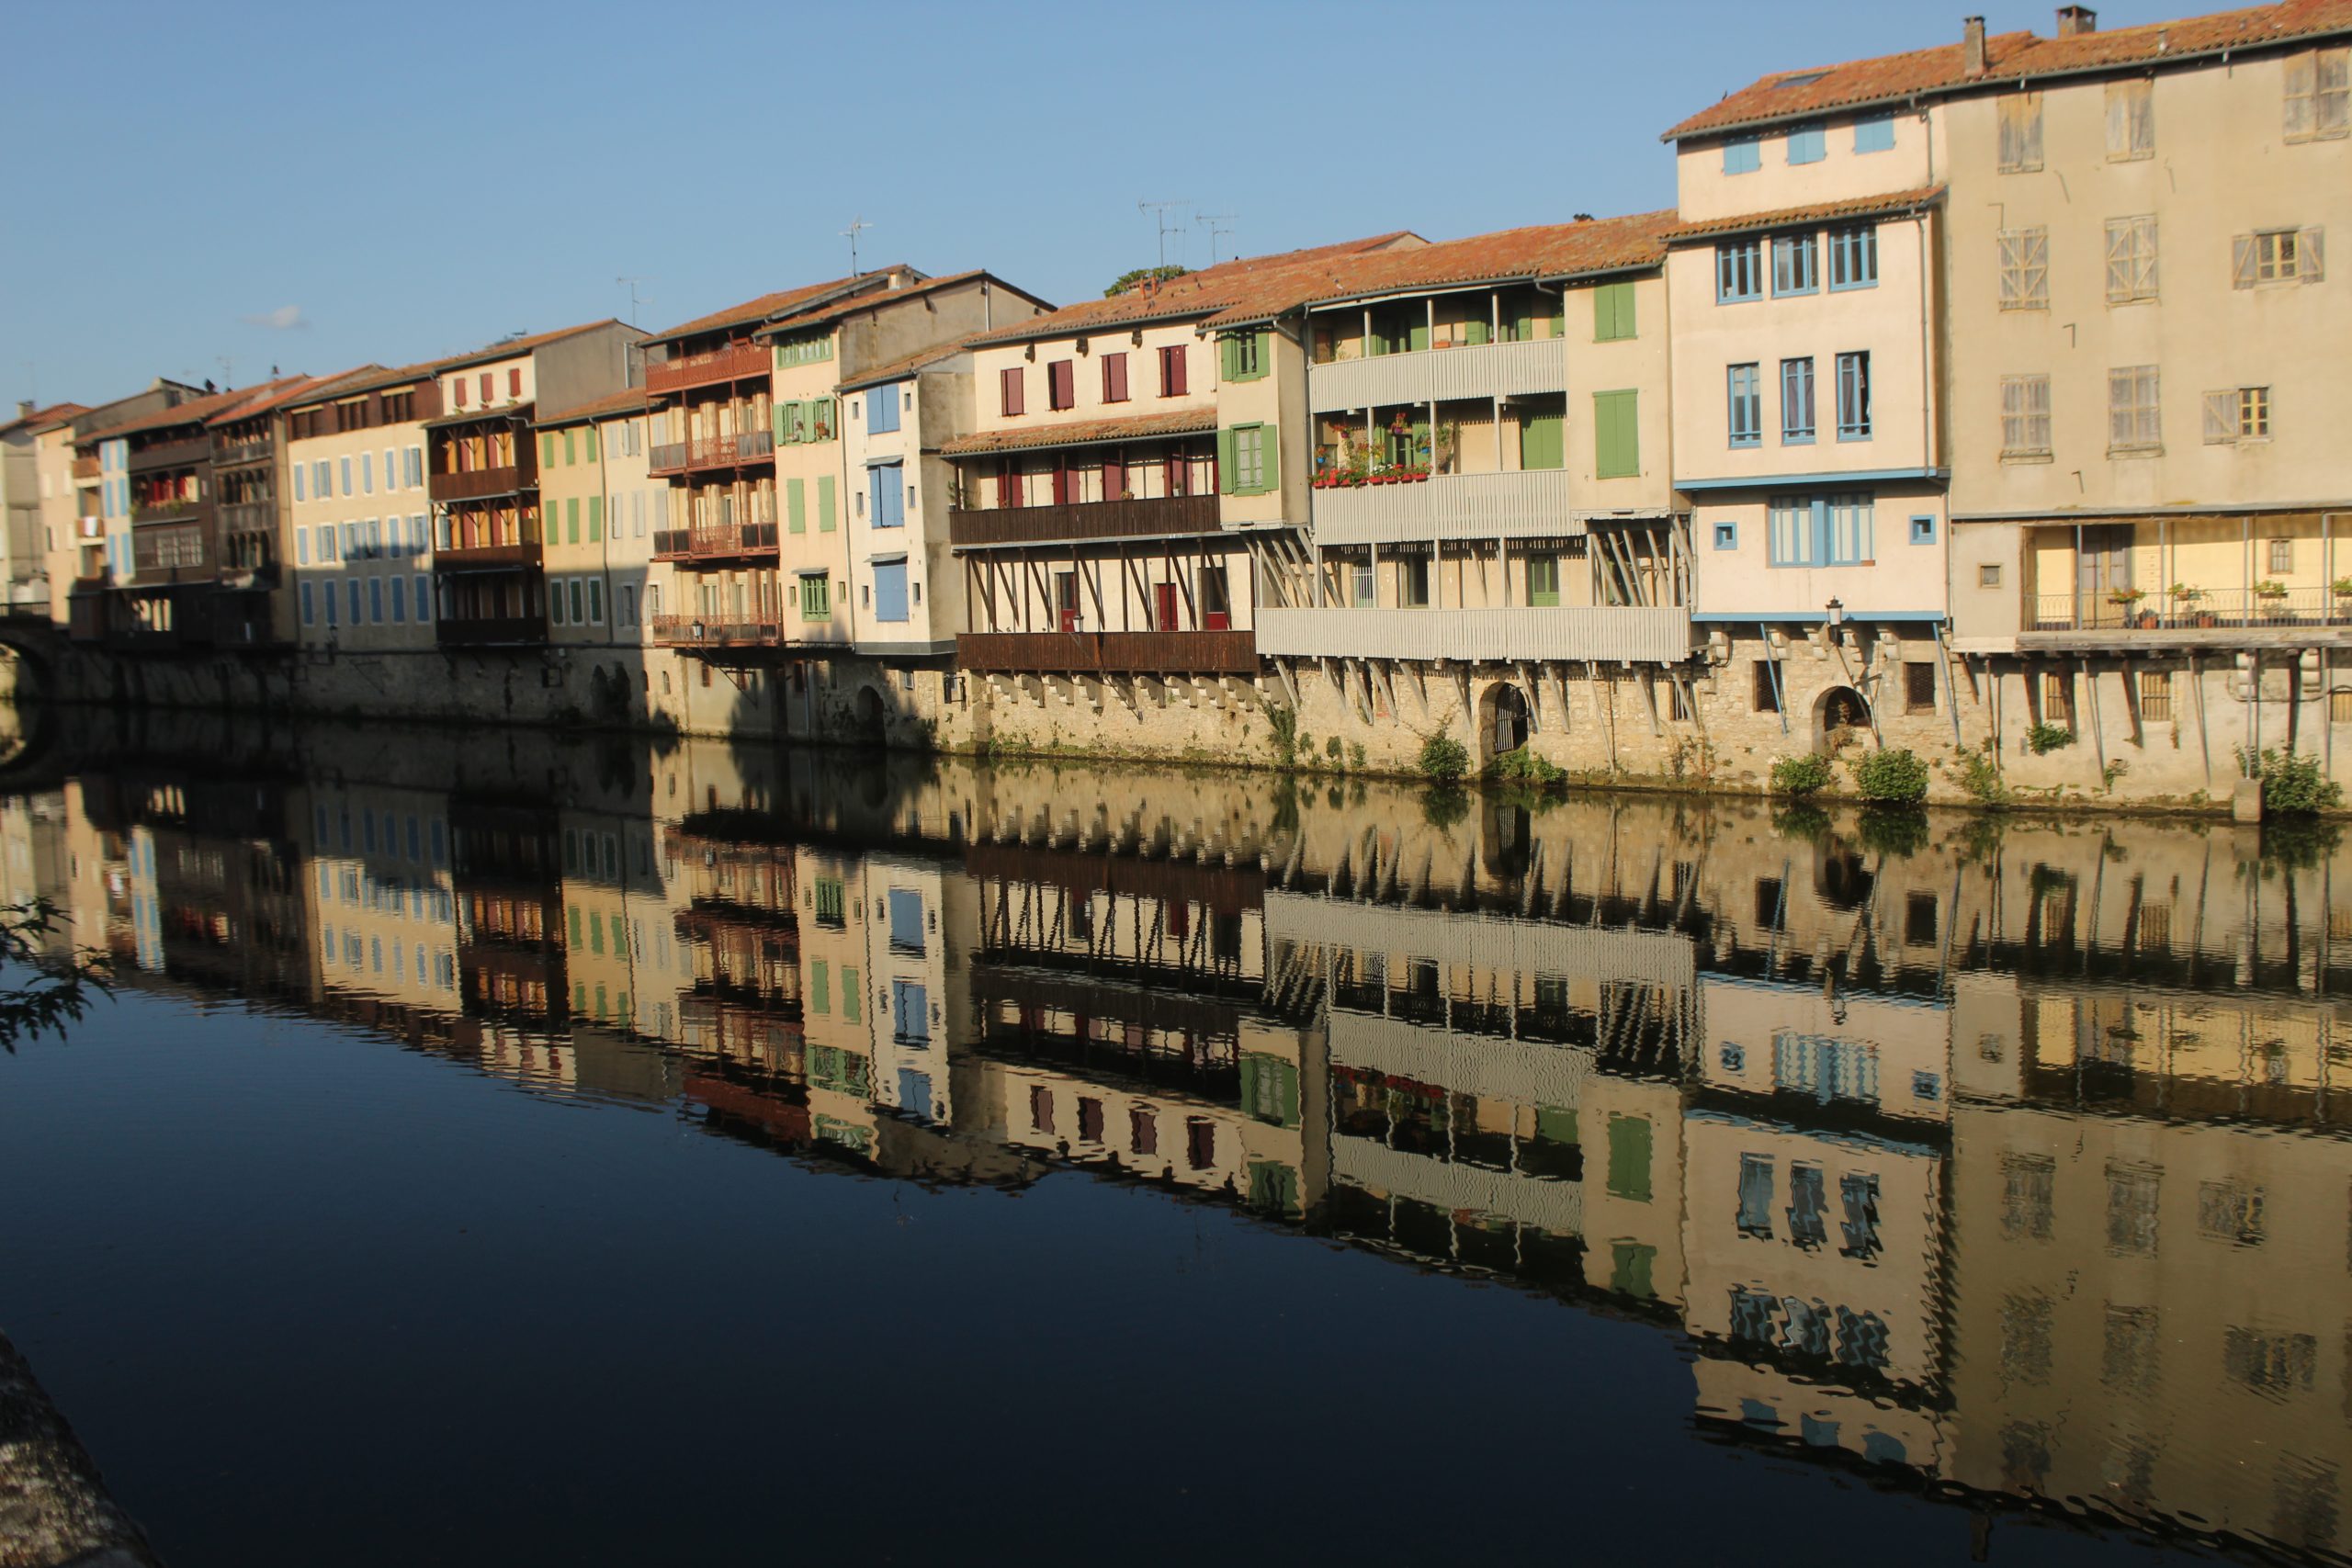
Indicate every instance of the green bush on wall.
{"type": "Point", "coordinates": [1800, 776]}
{"type": "Point", "coordinates": [1443, 759]}
{"type": "Point", "coordinates": [1898, 776]}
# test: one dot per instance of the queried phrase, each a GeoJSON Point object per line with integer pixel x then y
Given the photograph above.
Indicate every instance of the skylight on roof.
{"type": "Point", "coordinates": [1801, 79]}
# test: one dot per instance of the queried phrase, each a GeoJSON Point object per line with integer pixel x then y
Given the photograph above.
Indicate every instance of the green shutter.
{"type": "Point", "coordinates": [1225, 461]}
{"type": "Point", "coordinates": [1416, 336]}
{"type": "Point", "coordinates": [1542, 444]}
{"type": "Point", "coordinates": [1271, 443]}
{"type": "Point", "coordinates": [571, 520]}
{"type": "Point", "coordinates": [546, 450]}
{"type": "Point", "coordinates": [796, 503]}
{"type": "Point", "coordinates": [1612, 312]}
{"type": "Point", "coordinates": [825, 504]}
{"type": "Point", "coordinates": [570, 449]}
{"type": "Point", "coordinates": [596, 519]}
{"type": "Point", "coordinates": [1477, 332]}
{"type": "Point", "coordinates": [1522, 320]}
{"type": "Point", "coordinates": [589, 435]}
{"type": "Point", "coordinates": [783, 426]}
{"type": "Point", "coordinates": [822, 425]}
{"type": "Point", "coordinates": [1265, 350]}
{"type": "Point", "coordinates": [1629, 1158]}
{"type": "Point", "coordinates": [820, 988]}
{"type": "Point", "coordinates": [1616, 430]}
{"type": "Point", "coordinates": [1228, 357]}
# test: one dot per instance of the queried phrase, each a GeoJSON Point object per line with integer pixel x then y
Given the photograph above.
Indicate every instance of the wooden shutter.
{"type": "Point", "coordinates": [796, 505]}
{"type": "Point", "coordinates": [1270, 446]}
{"type": "Point", "coordinates": [1175, 372]}
{"type": "Point", "coordinates": [1115, 378]}
{"type": "Point", "coordinates": [1229, 357]}
{"type": "Point", "coordinates": [1008, 482]}
{"type": "Point", "coordinates": [2242, 250]}
{"type": "Point", "coordinates": [588, 437]}
{"type": "Point", "coordinates": [825, 504]}
{"type": "Point", "coordinates": [596, 519]}
{"type": "Point", "coordinates": [1114, 472]}
{"type": "Point", "coordinates": [1616, 438]}
{"type": "Point", "coordinates": [2311, 260]}
{"type": "Point", "coordinates": [2220, 416]}
{"type": "Point", "coordinates": [1009, 390]}
{"type": "Point", "coordinates": [1225, 462]}
{"type": "Point", "coordinates": [546, 450]}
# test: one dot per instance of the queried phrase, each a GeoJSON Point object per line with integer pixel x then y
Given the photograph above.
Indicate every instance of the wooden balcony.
{"type": "Point", "coordinates": [249, 517]}
{"type": "Point", "coordinates": [1108, 653]}
{"type": "Point", "coordinates": [185, 454]}
{"type": "Point", "coordinates": [478, 558]}
{"type": "Point", "coordinates": [460, 632]}
{"type": "Point", "coordinates": [694, 631]}
{"type": "Point", "coordinates": [736, 362]}
{"type": "Point", "coordinates": [168, 512]}
{"type": "Point", "coordinates": [481, 484]}
{"type": "Point", "coordinates": [86, 468]}
{"type": "Point", "coordinates": [1088, 520]}
{"type": "Point", "coordinates": [711, 451]}
{"type": "Point", "coordinates": [672, 544]}
{"type": "Point", "coordinates": [254, 451]}
{"type": "Point", "coordinates": [1466, 636]}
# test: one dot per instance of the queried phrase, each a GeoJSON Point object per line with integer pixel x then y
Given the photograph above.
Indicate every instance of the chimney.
{"type": "Point", "coordinates": [2076, 19]}
{"type": "Point", "coordinates": [24, 408]}
{"type": "Point", "coordinates": [1972, 45]}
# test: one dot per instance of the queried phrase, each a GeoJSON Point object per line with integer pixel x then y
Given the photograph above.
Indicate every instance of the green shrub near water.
{"type": "Point", "coordinates": [1522, 766]}
{"type": "Point", "coordinates": [1443, 759]}
{"type": "Point", "coordinates": [2041, 738]}
{"type": "Point", "coordinates": [1800, 776]}
{"type": "Point", "coordinates": [1896, 777]}
{"type": "Point", "coordinates": [2292, 784]}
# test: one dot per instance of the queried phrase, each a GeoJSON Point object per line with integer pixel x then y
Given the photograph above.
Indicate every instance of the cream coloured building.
{"type": "Point", "coordinates": [358, 561]}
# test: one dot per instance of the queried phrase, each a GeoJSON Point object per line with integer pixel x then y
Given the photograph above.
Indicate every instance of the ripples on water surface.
{"type": "Point", "coordinates": [510, 1150]}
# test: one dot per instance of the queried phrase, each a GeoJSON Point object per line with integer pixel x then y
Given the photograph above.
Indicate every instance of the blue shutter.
{"type": "Point", "coordinates": [906, 919]}
{"type": "Point", "coordinates": [890, 604]}
{"type": "Point", "coordinates": [909, 1010]}
{"type": "Point", "coordinates": [889, 483]}
{"type": "Point", "coordinates": [882, 409]}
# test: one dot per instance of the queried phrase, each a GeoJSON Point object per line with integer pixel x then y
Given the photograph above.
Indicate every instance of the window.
{"type": "Point", "coordinates": [1764, 696]}
{"type": "Point", "coordinates": [301, 544]}
{"type": "Point", "coordinates": [1853, 397]}
{"type": "Point", "coordinates": [2238, 413]}
{"type": "Point", "coordinates": [1115, 378]}
{"type": "Point", "coordinates": [1544, 582]}
{"type": "Point", "coordinates": [1797, 402]}
{"type": "Point", "coordinates": [1726, 536]}
{"type": "Point", "coordinates": [2282, 556]}
{"type": "Point", "coordinates": [1923, 529]}
{"type": "Point", "coordinates": [2029, 1189]}
{"type": "Point", "coordinates": [2024, 416]}
{"type": "Point", "coordinates": [1739, 271]}
{"type": "Point", "coordinates": [2274, 255]}
{"type": "Point", "coordinates": [2319, 94]}
{"type": "Point", "coordinates": [376, 600]}
{"type": "Point", "coordinates": [351, 598]}
{"type": "Point", "coordinates": [2132, 410]}
{"type": "Point", "coordinates": [882, 409]}
{"type": "Point", "coordinates": [310, 609]}
{"type": "Point", "coordinates": [2021, 133]}
{"type": "Point", "coordinates": [596, 601]}
{"type": "Point", "coordinates": [400, 601]}
{"type": "Point", "coordinates": [347, 476]}
{"type": "Point", "coordinates": [1172, 371]}
{"type": "Point", "coordinates": [1061, 385]}
{"type": "Point", "coordinates": [2131, 120]}
{"type": "Point", "coordinates": [1616, 430]}
{"type": "Point", "coordinates": [1919, 696]}
{"type": "Point", "coordinates": [1245, 356]}
{"type": "Point", "coordinates": [890, 590]}
{"type": "Point", "coordinates": [1744, 397]}
{"type": "Point", "coordinates": [1008, 387]}
{"type": "Point", "coordinates": [1743, 155]}
{"type": "Point", "coordinates": [1988, 574]}
{"type": "Point", "coordinates": [889, 483]}
{"type": "Point", "coordinates": [1413, 582]}
{"type": "Point", "coordinates": [299, 470]}
{"type": "Point", "coordinates": [413, 466]}
{"type": "Point", "coordinates": [2131, 260]}
{"type": "Point", "coordinates": [1808, 143]}
{"type": "Point", "coordinates": [1874, 133]}
{"type": "Point", "coordinates": [815, 598]}
{"type": "Point", "coordinates": [514, 382]}
{"type": "Point", "coordinates": [1853, 257]}
{"type": "Point", "coordinates": [1612, 312]}
{"type": "Point", "coordinates": [1797, 264]}
{"type": "Point", "coordinates": [2156, 704]}
{"type": "Point", "coordinates": [1247, 464]}
{"type": "Point", "coordinates": [1833, 530]}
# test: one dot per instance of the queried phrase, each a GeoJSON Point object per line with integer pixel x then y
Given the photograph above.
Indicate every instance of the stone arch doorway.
{"type": "Point", "coordinates": [1504, 722]}
{"type": "Point", "coordinates": [1837, 713]}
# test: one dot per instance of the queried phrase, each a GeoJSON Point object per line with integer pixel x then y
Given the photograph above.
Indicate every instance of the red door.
{"type": "Point", "coordinates": [1163, 617]}
{"type": "Point", "coordinates": [1066, 599]}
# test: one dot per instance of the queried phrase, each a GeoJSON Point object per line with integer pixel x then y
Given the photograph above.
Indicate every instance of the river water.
{"type": "Point", "coordinates": [513, 1148]}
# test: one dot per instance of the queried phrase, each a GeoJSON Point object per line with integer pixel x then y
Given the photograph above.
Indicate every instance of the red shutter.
{"type": "Point", "coordinates": [486, 384]}
{"type": "Point", "coordinates": [1172, 371]}
{"type": "Point", "coordinates": [457, 385]}
{"type": "Point", "coordinates": [1114, 476]}
{"type": "Point", "coordinates": [514, 382]}
{"type": "Point", "coordinates": [1061, 385]}
{"type": "Point", "coordinates": [1008, 482]}
{"type": "Point", "coordinates": [1009, 384]}
{"type": "Point", "coordinates": [1115, 378]}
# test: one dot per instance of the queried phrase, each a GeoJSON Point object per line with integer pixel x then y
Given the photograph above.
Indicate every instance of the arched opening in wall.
{"type": "Point", "coordinates": [870, 715]}
{"type": "Point", "coordinates": [1503, 721]}
{"type": "Point", "coordinates": [1839, 715]}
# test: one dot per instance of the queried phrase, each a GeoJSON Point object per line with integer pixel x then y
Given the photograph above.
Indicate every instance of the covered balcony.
{"type": "Point", "coordinates": [1107, 608]}
{"type": "Point", "coordinates": [696, 631]}
{"type": "Point", "coordinates": [2187, 581]}
{"type": "Point", "coordinates": [1443, 470]}
{"type": "Point", "coordinates": [186, 452]}
{"type": "Point", "coordinates": [477, 537]}
{"type": "Point", "coordinates": [710, 452]}
{"type": "Point", "coordinates": [731, 361]}
{"type": "Point", "coordinates": [1146, 475]}
{"type": "Point", "coordinates": [1156, 517]}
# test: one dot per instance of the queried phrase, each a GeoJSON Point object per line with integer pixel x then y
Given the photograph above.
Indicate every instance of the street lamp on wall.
{"type": "Point", "coordinates": [1837, 614]}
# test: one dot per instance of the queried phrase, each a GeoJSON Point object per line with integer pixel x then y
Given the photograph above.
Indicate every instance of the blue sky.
{"type": "Point", "coordinates": [320, 186]}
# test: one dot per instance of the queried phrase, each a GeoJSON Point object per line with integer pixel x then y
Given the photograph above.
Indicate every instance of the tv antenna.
{"type": "Point", "coordinates": [857, 226]}
{"type": "Point", "coordinates": [1159, 209]}
{"type": "Point", "coordinates": [228, 370]}
{"type": "Point", "coordinates": [1212, 219]}
{"type": "Point", "coordinates": [634, 299]}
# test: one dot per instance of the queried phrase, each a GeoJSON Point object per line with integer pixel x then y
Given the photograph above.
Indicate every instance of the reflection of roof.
{"type": "Point", "coordinates": [630, 400]}
{"type": "Point", "coordinates": [1195, 294]}
{"type": "Point", "coordinates": [1823, 212]}
{"type": "Point", "coordinates": [1076, 432]}
{"type": "Point", "coordinates": [2009, 59]}
{"type": "Point", "coordinates": [521, 345]}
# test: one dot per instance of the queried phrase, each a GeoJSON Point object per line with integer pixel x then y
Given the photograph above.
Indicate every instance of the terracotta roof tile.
{"type": "Point", "coordinates": [1084, 432]}
{"type": "Point", "coordinates": [1196, 294]}
{"type": "Point", "coordinates": [299, 389]}
{"type": "Point", "coordinates": [752, 313]}
{"type": "Point", "coordinates": [1792, 217]}
{"type": "Point", "coordinates": [366, 380]}
{"type": "Point", "coordinates": [1546, 251]}
{"type": "Point", "coordinates": [834, 310]}
{"type": "Point", "coordinates": [508, 350]}
{"type": "Point", "coordinates": [2009, 58]}
{"type": "Point", "coordinates": [899, 368]}
{"type": "Point", "coordinates": [196, 410]}
{"type": "Point", "coordinates": [629, 401]}
{"type": "Point", "coordinates": [40, 419]}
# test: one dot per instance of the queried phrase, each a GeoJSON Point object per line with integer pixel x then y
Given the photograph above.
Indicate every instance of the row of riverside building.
{"type": "Point", "coordinates": [1972, 397]}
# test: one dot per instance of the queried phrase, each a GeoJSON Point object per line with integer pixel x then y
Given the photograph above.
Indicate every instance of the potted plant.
{"type": "Point", "coordinates": [2271, 594]}
{"type": "Point", "coordinates": [2186, 602]}
{"type": "Point", "coordinates": [2123, 598]}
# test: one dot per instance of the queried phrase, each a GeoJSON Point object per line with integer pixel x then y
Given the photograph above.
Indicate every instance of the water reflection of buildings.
{"type": "Point", "coordinates": [2008, 1161]}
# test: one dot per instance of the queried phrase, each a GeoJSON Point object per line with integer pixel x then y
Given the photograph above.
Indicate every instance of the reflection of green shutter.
{"type": "Point", "coordinates": [596, 519]}
{"type": "Point", "coordinates": [825, 504]}
{"type": "Point", "coordinates": [1616, 435]}
{"type": "Point", "coordinates": [1555, 1125]}
{"type": "Point", "coordinates": [1629, 1158]}
{"type": "Point", "coordinates": [1274, 1187]}
{"type": "Point", "coordinates": [820, 988]}
{"type": "Point", "coordinates": [1270, 1089]}
{"type": "Point", "coordinates": [1225, 469]}
{"type": "Point", "coordinates": [1630, 1265]}
{"type": "Point", "coordinates": [850, 993]}
{"type": "Point", "coordinates": [796, 503]}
